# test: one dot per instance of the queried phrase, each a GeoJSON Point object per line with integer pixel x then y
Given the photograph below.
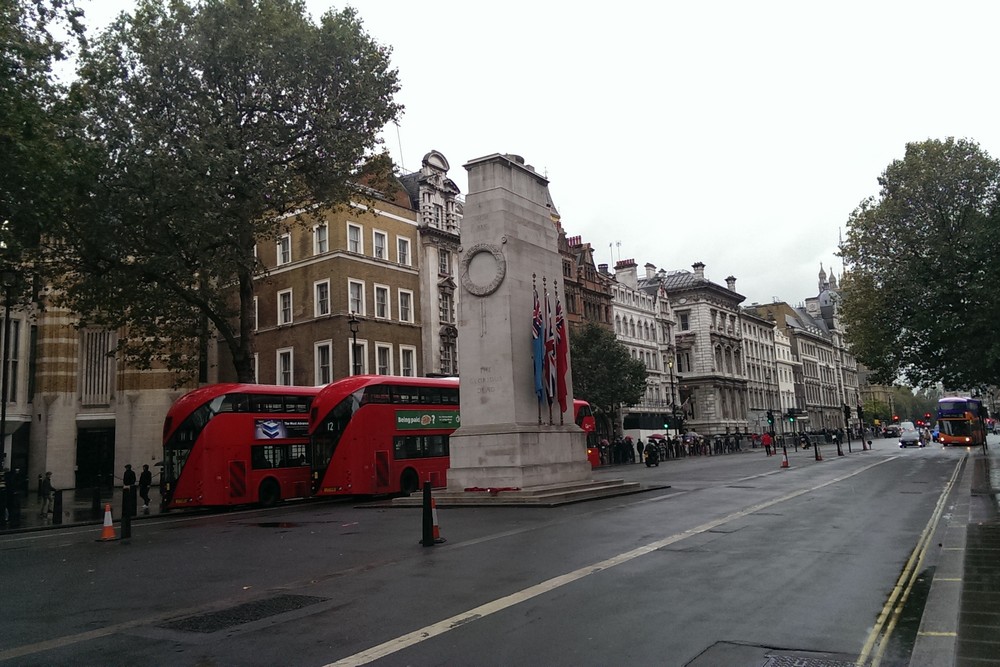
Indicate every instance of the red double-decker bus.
{"type": "Point", "coordinates": [234, 444]}
{"type": "Point", "coordinates": [381, 434]}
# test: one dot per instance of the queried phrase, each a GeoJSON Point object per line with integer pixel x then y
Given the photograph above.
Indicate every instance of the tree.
{"type": "Point", "coordinates": [212, 127]}
{"type": "Point", "coordinates": [36, 171]}
{"type": "Point", "coordinates": [920, 297]}
{"type": "Point", "coordinates": [604, 373]}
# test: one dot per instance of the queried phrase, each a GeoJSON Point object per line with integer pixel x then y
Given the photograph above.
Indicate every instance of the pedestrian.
{"type": "Point", "coordinates": [145, 481]}
{"type": "Point", "coordinates": [766, 441]}
{"type": "Point", "coordinates": [128, 490]}
{"type": "Point", "coordinates": [640, 449]}
{"type": "Point", "coordinates": [48, 495]}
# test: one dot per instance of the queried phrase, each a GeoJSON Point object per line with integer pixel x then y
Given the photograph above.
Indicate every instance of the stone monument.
{"type": "Point", "coordinates": [509, 439]}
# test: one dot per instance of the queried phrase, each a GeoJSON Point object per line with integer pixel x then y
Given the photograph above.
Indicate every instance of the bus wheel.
{"type": "Point", "coordinates": [270, 493]}
{"type": "Point", "coordinates": [408, 482]}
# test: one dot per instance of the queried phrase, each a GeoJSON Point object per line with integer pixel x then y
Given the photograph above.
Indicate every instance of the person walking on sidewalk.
{"type": "Point", "coordinates": [145, 481]}
{"type": "Point", "coordinates": [48, 495]}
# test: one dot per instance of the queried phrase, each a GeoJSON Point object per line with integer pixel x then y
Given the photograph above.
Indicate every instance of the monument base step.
{"type": "Point", "coordinates": [549, 495]}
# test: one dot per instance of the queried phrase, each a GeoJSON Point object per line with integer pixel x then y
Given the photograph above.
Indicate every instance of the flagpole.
{"type": "Point", "coordinates": [534, 348]}
{"type": "Point", "coordinates": [555, 288]}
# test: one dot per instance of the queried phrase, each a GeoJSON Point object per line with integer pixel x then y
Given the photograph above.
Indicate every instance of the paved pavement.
{"type": "Point", "coordinates": [78, 507]}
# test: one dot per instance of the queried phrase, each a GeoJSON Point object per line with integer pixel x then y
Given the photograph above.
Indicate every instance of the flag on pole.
{"type": "Point", "coordinates": [562, 356]}
{"type": "Point", "coordinates": [550, 351]}
{"type": "Point", "coordinates": [537, 346]}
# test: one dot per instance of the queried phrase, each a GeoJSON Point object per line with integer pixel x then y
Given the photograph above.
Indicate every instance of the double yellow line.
{"type": "Point", "coordinates": [878, 638]}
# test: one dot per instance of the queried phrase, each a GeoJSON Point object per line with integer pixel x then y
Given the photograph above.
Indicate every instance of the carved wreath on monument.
{"type": "Point", "coordinates": [486, 261]}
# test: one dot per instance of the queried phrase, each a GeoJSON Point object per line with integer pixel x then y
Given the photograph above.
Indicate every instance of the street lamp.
{"type": "Point", "coordinates": [8, 279]}
{"type": "Point", "coordinates": [353, 323]}
{"type": "Point", "coordinates": [673, 404]}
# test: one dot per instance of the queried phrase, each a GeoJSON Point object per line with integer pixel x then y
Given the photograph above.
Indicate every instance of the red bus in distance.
{"type": "Point", "coordinates": [235, 444]}
{"type": "Point", "coordinates": [382, 434]}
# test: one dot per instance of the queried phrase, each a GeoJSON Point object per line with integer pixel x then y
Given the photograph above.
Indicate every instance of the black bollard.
{"type": "Point", "coordinates": [95, 504]}
{"type": "Point", "coordinates": [126, 525]}
{"type": "Point", "coordinates": [57, 510]}
{"type": "Point", "coordinates": [428, 523]}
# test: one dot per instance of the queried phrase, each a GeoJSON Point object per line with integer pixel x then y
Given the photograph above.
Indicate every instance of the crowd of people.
{"type": "Point", "coordinates": [625, 449]}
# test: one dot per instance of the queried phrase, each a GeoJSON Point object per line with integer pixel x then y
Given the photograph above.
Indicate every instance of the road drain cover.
{"type": "Point", "coordinates": [240, 614]}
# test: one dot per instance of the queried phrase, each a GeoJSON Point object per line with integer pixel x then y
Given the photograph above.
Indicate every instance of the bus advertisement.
{"type": "Point", "coordinates": [583, 415]}
{"type": "Point", "coordinates": [381, 434]}
{"type": "Point", "coordinates": [235, 444]}
{"type": "Point", "coordinates": [960, 422]}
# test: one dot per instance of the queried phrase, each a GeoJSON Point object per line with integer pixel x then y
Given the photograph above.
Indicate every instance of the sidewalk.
{"type": "Point", "coordinates": [78, 508]}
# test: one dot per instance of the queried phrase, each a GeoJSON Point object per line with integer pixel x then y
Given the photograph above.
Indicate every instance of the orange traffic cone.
{"type": "Point", "coordinates": [108, 532]}
{"type": "Point", "coordinates": [437, 528]}
{"type": "Point", "coordinates": [784, 460]}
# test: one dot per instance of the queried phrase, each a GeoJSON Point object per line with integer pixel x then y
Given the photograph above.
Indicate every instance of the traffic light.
{"type": "Point", "coordinates": [895, 418]}
{"type": "Point", "coordinates": [791, 417]}
{"type": "Point", "coordinates": [847, 413]}
{"type": "Point", "coordinates": [770, 417]}
{"type": "Point", "coordinates": [927, 416]}
{"type": "Point", "coordinates": [861, 413]}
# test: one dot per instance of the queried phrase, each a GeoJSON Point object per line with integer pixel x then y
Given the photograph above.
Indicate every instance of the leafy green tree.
{"type": "Point", "coordinates": [211, 127]}
{"type": "Point", "coordinates": [920, 291]}
{"type": "Point", "coordinates": [37, 171]}
{"type": "Point", "coordinates": [604, 373]}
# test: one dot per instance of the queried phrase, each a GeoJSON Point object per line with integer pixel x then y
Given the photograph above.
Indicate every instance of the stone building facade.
{"type": "Point", "coordinates": [710, 369]}
{"type": "Point", "coordinates": [439, 207]}
{"type": "Point", "coordinates": [761, 372]}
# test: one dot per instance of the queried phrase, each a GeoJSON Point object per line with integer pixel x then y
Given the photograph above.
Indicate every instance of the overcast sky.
{"type": "Point", "coordinates": [738, 134]}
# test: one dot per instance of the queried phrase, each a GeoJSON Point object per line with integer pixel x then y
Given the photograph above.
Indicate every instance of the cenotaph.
{"type": "Point", "coordinates": [509, 439]}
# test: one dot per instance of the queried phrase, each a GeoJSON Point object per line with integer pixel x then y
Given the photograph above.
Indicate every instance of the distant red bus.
{"type": "Point", "coordinates": [234, 444]}
{"type": "Point", "coordinates": [382, 434]}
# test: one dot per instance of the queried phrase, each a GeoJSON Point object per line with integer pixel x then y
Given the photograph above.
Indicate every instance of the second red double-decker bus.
{"type": "Point", "coordinates": [233, 444]}
{"type": "Point", "coordinates": [381, 434]}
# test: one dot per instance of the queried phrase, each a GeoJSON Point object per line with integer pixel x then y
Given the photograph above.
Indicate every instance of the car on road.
{"type": "Point", "coordinates": [909, 435]}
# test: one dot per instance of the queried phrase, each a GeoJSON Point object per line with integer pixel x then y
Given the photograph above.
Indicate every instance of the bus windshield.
{"type": "Point", "coordinates": [955, 427]}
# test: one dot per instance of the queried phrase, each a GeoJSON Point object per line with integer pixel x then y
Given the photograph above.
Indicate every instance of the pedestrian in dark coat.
{"type": "Point", "coordinates": [145, 481]}
{"type": "Point", "coordinates": [128, 491]}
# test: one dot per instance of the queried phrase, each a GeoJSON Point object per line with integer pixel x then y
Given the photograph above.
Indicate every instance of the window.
{"type": "Point", "coordinates": [284, 367]}
{"type": "Point", "coordinates": [403, 251]}
{"type": "Point", "coordinates": [448, 358]}
{"type": "Point", "coordinates": [321, 239]}
{"type": "Point", "coordinates": [354, 243]}
{"type": "Point", "coordinates": [358, 356]}
{"type": "Point", "coordinates": [321, 304]}
{"type": "Point", "coordinates": [284, 249]}
{"type": "Point", "coordinates": [407, 361]}
{"type": "Point", "coordinates": [12, 359]}
{"type": "Point", "coordinates": [383, 359]}
{"type": "Point", "coordinates": [356, 296]}
{"type": "Point", "coordinates": [255, 313]}
{"type": "Point", "coordinates": [438, 215]}
{"type": "Point", "coordinates": [256, 364]}
{"type": "Point", "coordinates": [444, 307]}
{"type": "Point", "coordinates": [380, 240]}
{"type": "Point", "coordinates": [382, 310]}
{"type": "Point", "coordinates": [682, 319]}
{"type": "Point", "coordinates": [324, 358]}
{"type": "Point", "coordinates": [444, 262]}
{"type": "Point", "coordinates": [285, 307]}
{"type": "Point", "coordinates": [405, 305]}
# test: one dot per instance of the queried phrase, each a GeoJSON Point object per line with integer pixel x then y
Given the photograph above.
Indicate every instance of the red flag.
{"type": "Point", "coordinates": [550, 352]}
{"type": "Point", "coordinates": [562, 356]}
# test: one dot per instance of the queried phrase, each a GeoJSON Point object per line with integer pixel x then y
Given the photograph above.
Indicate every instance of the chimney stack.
{"type": "Point", "coordinates": [731, 283]}
{"type": "Point", "coordinates": [699, 270]}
